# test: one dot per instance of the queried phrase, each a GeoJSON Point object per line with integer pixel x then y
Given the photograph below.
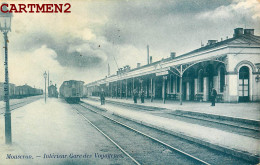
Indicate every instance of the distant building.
{"type": "Point", "coordinates": [231, 66]}
{"type": "Point", "coordinates": [52, 91]}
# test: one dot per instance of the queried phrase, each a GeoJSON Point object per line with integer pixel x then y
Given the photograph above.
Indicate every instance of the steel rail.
{"type": "Point", "coordinates": [14, 104]}
{"type": "Point", "coordinates": [217, 122]}
{"type": "Point", "coordinates": [187, 116]}
{"type": "Point", "coordinates": [117, 145]}
{"type": "Point", "coordinates": [14, 108]}
{"type": "Point", "coordinates": [150, 137]}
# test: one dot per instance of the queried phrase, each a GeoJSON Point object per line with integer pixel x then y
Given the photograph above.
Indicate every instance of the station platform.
{"type": "Point", "coordinates": [53, 133]}
{"type": "Point", "coordinates": [219, 139]}
{"type": "Point", "coordinates": [247, 111]}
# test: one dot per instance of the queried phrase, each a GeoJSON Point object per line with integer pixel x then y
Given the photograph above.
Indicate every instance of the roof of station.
{"type": "Point", "coordinates": [236, 39]}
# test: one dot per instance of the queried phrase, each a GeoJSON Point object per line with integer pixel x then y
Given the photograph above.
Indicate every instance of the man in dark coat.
{"type": "Point", "coordinates": [135, 96]}
{"type": "Point", "coordinates": [213, 96]}
{"type": "Point", "coordinates": [102, 97]}
{"type": "Point", "coordinates": [142, 97]}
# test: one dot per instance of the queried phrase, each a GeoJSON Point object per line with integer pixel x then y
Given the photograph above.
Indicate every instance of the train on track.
{"type": "Point", "coordinates": [16, 92]}
{"type": "Point", "coordinates": [71, 91]}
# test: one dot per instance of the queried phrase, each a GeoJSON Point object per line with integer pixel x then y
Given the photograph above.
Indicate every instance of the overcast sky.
{"type": "Point", "coordinates": [80, 45]}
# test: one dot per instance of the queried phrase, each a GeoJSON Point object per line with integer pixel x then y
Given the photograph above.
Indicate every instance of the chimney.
{"type": "Point", "coordinates": [173, 55]}
{"type": "Point", "coordinates": [249, 31]}
{"type": "Point", "coordinates": [147, 54]}
{"type": "Point", "coordinates": [108, 70]}
{"type": "Point", "coordinates": [151, 59]}
{"type": "Point", "coordinates": [210, 42]}
{"type": "Point", "coordinates": [138, 65]}
{"type": "Point", "coordinates": [238, 32]}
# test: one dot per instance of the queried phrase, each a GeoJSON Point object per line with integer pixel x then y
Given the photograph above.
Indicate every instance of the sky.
{"type": "Point", "coordinates": [80, 45]}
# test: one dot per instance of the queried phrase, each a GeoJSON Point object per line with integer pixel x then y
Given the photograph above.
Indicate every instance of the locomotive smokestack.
{"type": "Point", "coordinates": [147, 54]}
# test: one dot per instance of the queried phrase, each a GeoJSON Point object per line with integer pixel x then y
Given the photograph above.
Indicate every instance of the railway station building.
{"type": "Point", "coordinates": [231, 66]}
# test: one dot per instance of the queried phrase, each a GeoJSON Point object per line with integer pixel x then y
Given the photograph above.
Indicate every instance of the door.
{"type": "Point", "coordinates": [184, 90]}
{"type": "Point", "coordinates": [192, 89]}
{"type": "Point", "coordinates": [158, 87]}
{"type": "Point", "coordinates": [243, 89]}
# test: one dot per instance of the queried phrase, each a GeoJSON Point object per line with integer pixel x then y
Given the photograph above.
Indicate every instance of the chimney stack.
{"type": "Point", "coordinates": [249, 31]}
{"type": "Point", "coordinates": [238, 32]}
{"type": "Point", "coordinates": [138, 65]}
{"type": "Point", "coordinates": [173, 54]}
{"type": "Point", "coordinates": [108, 70]}
{"type": "Point", "coordinates": [210, 42]}
{"type": "Point", "coordinates": [151, 59]}
{"type": "Point", "coordinates": [147, 54]}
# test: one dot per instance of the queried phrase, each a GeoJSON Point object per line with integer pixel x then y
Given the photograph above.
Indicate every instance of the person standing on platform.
{"type": "Point", "coordinates": [213, 96]}
{"type": "Point", "coordinates": [135, 96]}
{"type": "Point", "coordinates": [102, 97]}
{"type": "Point", "coordinates": [142, 97]}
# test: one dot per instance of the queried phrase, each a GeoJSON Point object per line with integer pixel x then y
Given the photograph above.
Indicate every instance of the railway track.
{"type": "Point", "coordinates": [17, 105]}
{"type": "Point", "coordinates": [250, 129]}
{"type": "Point", "coordinates": [145, 145]}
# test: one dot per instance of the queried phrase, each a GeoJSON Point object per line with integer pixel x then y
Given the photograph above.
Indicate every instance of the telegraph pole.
{"type": "Point", "coordinates": [45, 76]}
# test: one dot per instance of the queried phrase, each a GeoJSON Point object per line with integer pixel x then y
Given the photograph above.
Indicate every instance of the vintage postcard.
{"type": "Point", "coordinates": [129, 82]}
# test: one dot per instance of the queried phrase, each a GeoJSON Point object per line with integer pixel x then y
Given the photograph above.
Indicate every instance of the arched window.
{"type": "Point", "coordinates": [200, 80]}
{"type": "Point", "coordinates": [244, 84]}
{"type": "Point", "coordinates": [221, 79]}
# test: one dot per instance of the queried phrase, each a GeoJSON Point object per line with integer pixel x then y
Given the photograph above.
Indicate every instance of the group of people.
{"type": "Point", "coordinates": [136, 95]}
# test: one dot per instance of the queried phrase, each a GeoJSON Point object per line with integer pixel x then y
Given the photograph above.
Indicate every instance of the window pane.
{"type": "Point", "coordinates": [245, 81]}
{"type": "Point", "coordinates": [240, 93]}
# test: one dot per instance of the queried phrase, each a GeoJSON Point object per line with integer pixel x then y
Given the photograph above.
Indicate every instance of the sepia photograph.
{"type": "Point", "coordinates": [118, 82]}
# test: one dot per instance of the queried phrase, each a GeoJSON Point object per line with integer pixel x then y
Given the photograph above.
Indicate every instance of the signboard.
{"type": "Point", "coordinates": [162, 73]}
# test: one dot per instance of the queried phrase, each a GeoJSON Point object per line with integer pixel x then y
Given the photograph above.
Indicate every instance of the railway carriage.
{"type": "Point", "coordinates": [26, 91]}
{"type": "Point", "coordinates": [71, 90]}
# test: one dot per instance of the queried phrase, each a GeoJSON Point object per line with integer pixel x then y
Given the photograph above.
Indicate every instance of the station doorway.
{"type": "Point", "coordinates": [243, 88]}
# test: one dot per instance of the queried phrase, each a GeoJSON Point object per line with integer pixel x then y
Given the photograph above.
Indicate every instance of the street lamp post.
{"type": "Point", "coordinates": [5, 27]}
{"type": "Point", "coordinates": [45, 76]}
